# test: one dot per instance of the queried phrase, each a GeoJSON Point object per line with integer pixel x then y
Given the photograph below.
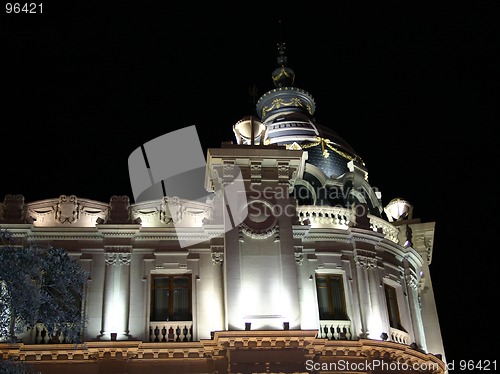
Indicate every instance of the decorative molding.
{"type": "Point", "coordinates": [228, 169]}
{"type": "Point", "coordinates": [256, 171]}
{"type": "Point", "coordinates": [299, 255]}
{"type": "Point", "coordinates": [217, 257]}
{"type": "Point", "coordinates": [118, 255]}
{"type": "Point", "coordinates": [12, 209]}
{"type": "Point", "coordinates": [257, 234]}
{"type": "Point", "coordinates": [412, 282]}
{"type": "Point", "coordinates": [171, 210]}
{"type": "Point", "coordinates": [283, 172]}
{"type": "Point", "coordinates": [112, 258]}
{"type": "Point", "coordinates": [119, 209]}
{"type": "Point", "coordinates": [367, 262]}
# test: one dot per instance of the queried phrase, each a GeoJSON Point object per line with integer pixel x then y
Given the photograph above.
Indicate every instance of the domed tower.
{"type": "Point", "coordinates": [315, 251]}
{"type": "Point", "coordinates": [335, 174]}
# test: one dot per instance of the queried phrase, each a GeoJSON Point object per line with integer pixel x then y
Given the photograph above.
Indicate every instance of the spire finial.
{"type": "Point", "coordinates": [282, 60]}
{"type": "Point", "coordinates": [282, 76]}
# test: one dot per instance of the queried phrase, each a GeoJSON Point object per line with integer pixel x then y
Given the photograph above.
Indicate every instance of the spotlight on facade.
{"type": "Point", "coordinates": [286, 325]}
{"type": "Point", "coordinates": [248, 326]}
{"type": "Point", "coordinates": [99, 221]}
{"type": "Point", "coordinates": [384, 336]}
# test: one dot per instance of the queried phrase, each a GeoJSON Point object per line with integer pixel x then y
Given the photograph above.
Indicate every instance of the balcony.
{"type": "Point", "coordinates": [335, 330]}
{"type": "Point", "coordinates": [318, 216]}
{"type": "Point", "coordinates": [39, 334]}
{"type": "Point", "coordinates": [171, 331]}
{"type": "Point", "coordinates": [399, 336]}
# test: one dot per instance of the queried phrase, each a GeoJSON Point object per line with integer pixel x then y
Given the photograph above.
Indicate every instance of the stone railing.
{"type": "Point", "coordinates": [171, 331]}
{"type": "Point", "coordinates": [325, 216]}
{"type": "Point", "coordinates": [40, 335]}
{"type": "Point", "coordinates": [400, 336]}
{"type": "Point", "coordinates": [342, 218]}
{"type": "Point", "coordinates": [335, 330]}
{"type": "Point", "coordinates": [390, 232]}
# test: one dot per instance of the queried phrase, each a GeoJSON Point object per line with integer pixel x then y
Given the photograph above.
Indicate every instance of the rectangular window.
{"type": "Point", "coordinates": [331, 298]}
{"type": "Point", "coordinates": [392, 307]}
{"type": "Point", "coordinates": [171, 297]}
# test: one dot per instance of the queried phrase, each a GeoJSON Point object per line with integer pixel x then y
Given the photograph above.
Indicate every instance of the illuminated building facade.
{"type": "Point", "coordinates": [319, 277]}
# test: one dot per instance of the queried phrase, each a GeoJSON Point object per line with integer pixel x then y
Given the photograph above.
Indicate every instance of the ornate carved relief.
{"type": "Point", "coordinates": [67, 210]}
{"type": "Point", "coordinates": [283, 172]}
{"type": "Point", "coordinates": [367, 262]}
{"type": "Point", "coordinates": [117, 258]}
{"type": "Point", "coordinates": [171, 210]}
{"type": "Point", "coordinates": [256, 172]}
{"type": "Point", "coordinates": [11, 210]}
{"type": "Point", "coordinates": [119, 209]}
{"type": "Point", "coordinates": [117, 255]}
{"type": "Point", "coordinates": [218, 258]}
{"type": "Point", "coordinates": [228, 169]}
{"type": "Point", "coordinates": [258, 234]}
{"type": "Point", "coordinates": [217, 252]}
{"type": "Point", "coordinates": [299, 255]}
{"type": "Point", "coordinates": [412, 281]}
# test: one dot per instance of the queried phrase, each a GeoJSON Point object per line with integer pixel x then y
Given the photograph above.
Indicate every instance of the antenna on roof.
{"type": "Point", "coordinates": [281, 46]}
{"type": "Point", "coordinates": [253, 93]}
{"type": "Point", "coordinates": [280, 31]}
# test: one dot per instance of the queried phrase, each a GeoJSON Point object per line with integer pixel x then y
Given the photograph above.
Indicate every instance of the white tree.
{"type": "Point", "coordinates": [39, 285]}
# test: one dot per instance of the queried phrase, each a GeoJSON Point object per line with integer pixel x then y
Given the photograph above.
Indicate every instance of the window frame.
{"type": "Point", "coordinates": [171, 288]}
{"type": "Point", "coordinates": [392, 304]}
{"type": "Point", "coordinates": [331, 308]}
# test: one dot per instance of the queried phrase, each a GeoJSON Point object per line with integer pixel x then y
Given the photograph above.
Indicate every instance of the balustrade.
{"type": "Point", "coordinates": [335, 330]}
{"type": "Point", "coordinates": [178, 331]}
{"type": "Point", "coordinates": [325, 216]}
{"type": "Point", "coordinates": [40, 335]}
{"type": "Point", "coordinates": [400, 336]}
{"type": "Point", "coordinates": [342, 218]}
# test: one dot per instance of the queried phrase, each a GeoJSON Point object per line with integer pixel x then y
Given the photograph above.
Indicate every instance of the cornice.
{"type": "Point", "coordinates": [323, 349]}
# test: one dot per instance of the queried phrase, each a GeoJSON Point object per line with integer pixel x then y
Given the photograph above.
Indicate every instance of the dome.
{"type": "Point", "coordinates": [287, 114]}
{"type": "Point", "coordinates": [326, 149]}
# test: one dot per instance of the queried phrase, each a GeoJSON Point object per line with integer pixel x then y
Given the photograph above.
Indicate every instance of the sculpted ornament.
{"type": "Point", "coordinates": [67, 210]}
{"type": "Point", "coordinates": [117, 258]}
{"type": "Point", "coordinates": [412, 282]}
{"type": "Point", "coordinates": [365, 261]}
{"type": "Point", "coordinates": [299, 255]}
{"type": "Point", "coordinates": [171, 210]}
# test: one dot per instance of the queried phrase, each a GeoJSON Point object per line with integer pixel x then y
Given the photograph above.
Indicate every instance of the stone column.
{"type": "Point", "coordinates": [414, 306]}
{"type": "Point", "coordinates": [116, 303]}
{"type": "Point", "coordinates": [364, 266]}
{"type": "Point", "coordinates": [217, 253]}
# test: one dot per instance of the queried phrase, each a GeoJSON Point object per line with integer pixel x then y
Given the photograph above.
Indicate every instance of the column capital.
{"type": "Point", "coordinates": [118, 255]}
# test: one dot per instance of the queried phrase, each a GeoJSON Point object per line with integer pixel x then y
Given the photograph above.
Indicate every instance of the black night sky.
{"type": "Point", "coordinates": [410, 86]}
